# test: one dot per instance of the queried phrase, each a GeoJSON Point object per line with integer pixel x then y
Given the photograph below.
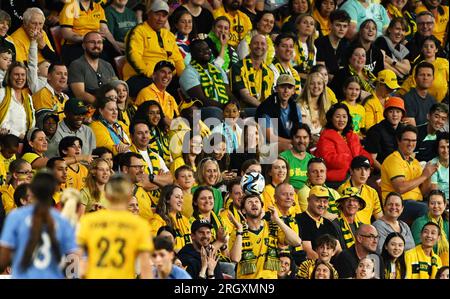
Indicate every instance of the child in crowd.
{"type": "Point", "coordinates": [5, 61]}
{"type": "Point", "coordinates": [184, 177]}
{"type": "Point", "coordinates": [352, 94]}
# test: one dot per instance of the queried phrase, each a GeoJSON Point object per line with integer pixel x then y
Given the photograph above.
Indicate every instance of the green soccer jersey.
{"type": "Point", "coordinates": [298, 168]}
{"type": "Point", "coordinates": [120, 23]}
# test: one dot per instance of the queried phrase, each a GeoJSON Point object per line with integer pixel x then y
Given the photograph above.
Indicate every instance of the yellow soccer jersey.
{"type": "Point", "coordinates": [81, 21]}
{"type": "Point", "coordinates": [7, 194]}
{"type": "Point", "coordinates": [181, 225]}
{"type": "Point", "coordinates": [76, 178]}
{"type": "Point", "coordinates": [6, 162]}
{"type": "Point", "coordinates": [374, 111]}
{"type": "Point", "coordinates": [259, 252]}
{"type": "Point", "coordinates": [22, 44]}
{"type": "Point", "coordinates": [370, 196]}
{"type": "Point", "coordinates": [3, 172]}
{"type": "Point", "coordinates": [396, 166]}
{"type": "Point", "coordinates": [113, 240]}
{"type": "Point", "coordinates": [144, 203]}
{"type": "Point", "coordinates": [358, 114]}
{"type": "Point", "coordinates": [421, 266]}
{"type": "Point", "coordinates": [240, 25]}
{"type": "Point", "coordinates": [165, 99]}
{"type": "Point", "coordinates": [47, 99]}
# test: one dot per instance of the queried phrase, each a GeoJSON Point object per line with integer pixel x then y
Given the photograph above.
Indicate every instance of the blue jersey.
{"type": "Point", "coordinates": [16, 233]}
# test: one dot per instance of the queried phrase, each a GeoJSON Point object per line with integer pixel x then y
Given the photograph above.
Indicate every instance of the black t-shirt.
{"type": "Point", "coordinates": [426, 149]}
{"type": "Point", "coordinates": [250, 15]}
{"type": "Point", "coordinates": [381, 140]}
{"type": "Point", "coordinates": [374, 60]}
{"type": "Point", "coordinates": [201, 23]}
{"type": "Point", "coordinates": [309, 230]}
{"type": "Point", "coordinates": [333, 58]}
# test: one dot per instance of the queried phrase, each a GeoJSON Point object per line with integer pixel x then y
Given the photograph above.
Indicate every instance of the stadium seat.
{"type": "Point", "coordinates": [120, 62]}
{"type": "Point", "coordinates": [57, 38]}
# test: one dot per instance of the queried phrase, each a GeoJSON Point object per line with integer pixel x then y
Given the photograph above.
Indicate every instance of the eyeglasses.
{"type": "Point", "coordinates": [371, 237]}
{"type": "Point", "coordinates": [99, 78]}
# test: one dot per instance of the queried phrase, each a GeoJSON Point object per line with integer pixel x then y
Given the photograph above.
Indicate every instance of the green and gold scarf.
{"type": "Point", "coordinates": [291, 71]}
{"type": "Point", "coordinates": [249, 79]}
{"type": "Point", "coordinates": [213, 85]}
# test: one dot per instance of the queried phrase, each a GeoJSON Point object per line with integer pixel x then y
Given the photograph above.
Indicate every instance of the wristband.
{"type": "Point", "coordinates": [239, 233]}
{"type": "Point", "coordinates": [210, 276]}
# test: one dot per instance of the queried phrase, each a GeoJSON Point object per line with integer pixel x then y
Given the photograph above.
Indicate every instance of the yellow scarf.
{"type": "Point", "coordinates": [442, 244]}
{"type": "Point", "coordinates": [346, 230]}
{"type": "Point", "coordinates": [4, 106]}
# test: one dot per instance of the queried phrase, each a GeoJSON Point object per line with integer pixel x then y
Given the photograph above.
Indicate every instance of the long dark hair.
{"type": "Point", "coordinates": [142, 113]}
{"type": "Point", "coordinates": [163, 206]}
{"type": "Point", "coordinates": [387, 257]}
{"type": "Point", "coordinates": [43, 187]}
{"type": "Point", "coordinates": [330, 113]}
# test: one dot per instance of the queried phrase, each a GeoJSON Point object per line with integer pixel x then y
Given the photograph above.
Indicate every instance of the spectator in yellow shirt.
{"type": "Point", "coordinates": [52, 96]}
{"type": "Point", "coordinates": [162, 76]}
{"type": "Point", "coordinates": [33, 27]}
{"type": "Point", "coordinates": [77, 18]}
{"type": "Point", "coordinates": [108, 131]}
{"type": "Point", "coordinates": [422, 262]}
{"type": "Point", "coordinates": [147, 44]}
{"type": "Point", "coordinates": [402, 173]}
{"type": "Point", "coordinates": [374, 105]}
{"type": "Point", "coordinates": [441, 16]}
{"type": "Point", "coordinates": [21, 173]}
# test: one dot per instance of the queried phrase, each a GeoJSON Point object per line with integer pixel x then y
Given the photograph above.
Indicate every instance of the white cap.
{"type": "Point", "coordinates": [159, 5]}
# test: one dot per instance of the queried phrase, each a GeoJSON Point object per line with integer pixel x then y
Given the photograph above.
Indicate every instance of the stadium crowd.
{"type": "Point", "coordinates": [224, 139]}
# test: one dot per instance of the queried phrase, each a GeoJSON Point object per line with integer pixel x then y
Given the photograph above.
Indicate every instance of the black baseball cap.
{"type": "Point", "coordinates": [199, 224]}
{"type": "Point", "coordinates": [360, 161]}
{"type": "Point", "coordinates": [75, 106]}
{"type": "Point", "coordinates": [163, 64]}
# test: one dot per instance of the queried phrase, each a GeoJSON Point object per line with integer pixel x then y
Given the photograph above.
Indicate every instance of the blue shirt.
{"type": "Point", "coordinates": [16, 233]}
{"type": "Point", "coordinates": [359, 14]}
{"type": "Point", "coordinates": [284, 116]}
{"type": "Point", "coordinates": [440, 177]}
{"type": "Point", "coordinates": [177, 273]}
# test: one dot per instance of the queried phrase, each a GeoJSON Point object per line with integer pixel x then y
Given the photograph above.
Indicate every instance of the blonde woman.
{"type": "Point", "coordinates": [93, 195]}
{"type": "Point", "coordinates": [208, 174]}
{"type": "Point", "coordinates": [305, 51]}
{"type": "Point", "coordinates": [71, 202]}
{"type": "Point", "coordinates": [314, 103]}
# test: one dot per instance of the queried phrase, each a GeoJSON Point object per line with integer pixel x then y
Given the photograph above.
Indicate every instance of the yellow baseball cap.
{"type": "Point", "coordinates": [319, 191]}
{"type": "Point", "coordinates": [189, 103]}
{"type": "Point", "coordinates": [389, 78]}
